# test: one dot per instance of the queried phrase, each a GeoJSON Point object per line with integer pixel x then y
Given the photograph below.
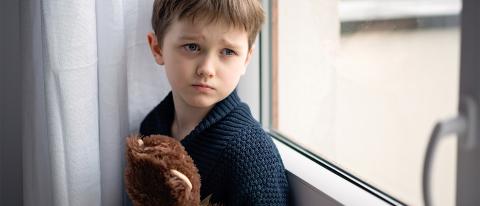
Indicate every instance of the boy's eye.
{"type": "Point", "coordinates": [191, 47]}
{"type": "Point", "coordinates": [228, 52]}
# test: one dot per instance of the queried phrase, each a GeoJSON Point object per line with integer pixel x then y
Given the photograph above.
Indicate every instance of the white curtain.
{"type": "Point", "coordinates": [88, 79]}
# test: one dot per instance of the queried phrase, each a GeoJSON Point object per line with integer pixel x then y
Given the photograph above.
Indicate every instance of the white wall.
{"type": "Point", "coordinates": [308, 46]}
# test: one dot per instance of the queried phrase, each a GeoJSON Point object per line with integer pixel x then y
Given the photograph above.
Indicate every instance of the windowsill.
{"type": "Point", "coordinates": [326, 177]}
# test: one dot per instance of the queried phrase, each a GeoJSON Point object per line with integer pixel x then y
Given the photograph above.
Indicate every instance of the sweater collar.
{"type": "Point", "coordinates": [163, 115]}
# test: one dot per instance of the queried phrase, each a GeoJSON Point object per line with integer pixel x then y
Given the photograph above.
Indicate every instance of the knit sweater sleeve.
{"type": "Point", "coordinates": [257, 174]}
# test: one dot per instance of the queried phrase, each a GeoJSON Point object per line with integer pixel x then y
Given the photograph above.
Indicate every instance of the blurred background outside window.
{"type": "Point", "coordinates": [361, 84]}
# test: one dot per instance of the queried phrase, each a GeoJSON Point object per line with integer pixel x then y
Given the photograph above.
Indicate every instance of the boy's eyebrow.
{"type": "Point", "coordinates": [231, 44]}
{"type": "Point", "coordinates": [196, 37]}
{"type": "Point", "coordinates": [192, 37]}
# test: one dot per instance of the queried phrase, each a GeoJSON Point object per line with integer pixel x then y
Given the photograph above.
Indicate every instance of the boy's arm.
{"type": "Point", "coordinates": [257, 173]}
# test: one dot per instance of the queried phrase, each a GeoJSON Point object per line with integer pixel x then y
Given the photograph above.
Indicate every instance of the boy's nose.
{"type": "Point", "coordinates": [206, 68]}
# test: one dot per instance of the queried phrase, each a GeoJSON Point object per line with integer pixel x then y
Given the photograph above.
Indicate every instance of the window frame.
{"type": "Point", "coordinates": [468, 168]}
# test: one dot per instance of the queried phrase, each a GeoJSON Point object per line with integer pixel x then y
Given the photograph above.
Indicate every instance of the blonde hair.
{"type": "Point", "coordinates": [245, 14]}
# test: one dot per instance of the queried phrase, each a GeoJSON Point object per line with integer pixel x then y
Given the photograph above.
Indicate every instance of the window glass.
{"type": "Point", "coordinates": [361, 84]}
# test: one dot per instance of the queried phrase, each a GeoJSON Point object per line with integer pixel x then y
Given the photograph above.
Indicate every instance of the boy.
{"type": "Point", "coordinates": [205, 46]}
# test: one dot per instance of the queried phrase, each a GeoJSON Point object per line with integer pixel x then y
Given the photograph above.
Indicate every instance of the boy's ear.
{"type": "Point", "coordinates": [155, 48]}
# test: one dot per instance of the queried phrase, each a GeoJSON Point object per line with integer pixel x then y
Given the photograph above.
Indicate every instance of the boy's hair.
{"type": "Point", "coordinates": [245, 14]}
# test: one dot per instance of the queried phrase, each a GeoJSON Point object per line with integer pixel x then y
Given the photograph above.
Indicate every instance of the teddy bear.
{"type": "Point", "coordinates": [160, 172]}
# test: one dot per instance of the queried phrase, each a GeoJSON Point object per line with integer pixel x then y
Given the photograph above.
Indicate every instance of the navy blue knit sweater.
{"type": "Point", "coordinates": [237, 161]}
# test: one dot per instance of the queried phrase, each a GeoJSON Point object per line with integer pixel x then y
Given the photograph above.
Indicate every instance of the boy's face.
{"type": "Point", "coordinates": [203, 61]}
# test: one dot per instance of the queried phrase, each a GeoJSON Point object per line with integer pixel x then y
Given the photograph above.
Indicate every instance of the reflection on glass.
{"type": "Point", "coordinates": [362, 82]}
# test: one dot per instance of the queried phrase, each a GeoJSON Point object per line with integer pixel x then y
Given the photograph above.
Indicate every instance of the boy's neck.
{"type": "Point", "coordinates": [186, 118]}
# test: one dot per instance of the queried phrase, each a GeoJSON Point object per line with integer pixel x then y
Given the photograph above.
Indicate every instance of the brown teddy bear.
{"type": "Point", "coordinates": [160, 172]}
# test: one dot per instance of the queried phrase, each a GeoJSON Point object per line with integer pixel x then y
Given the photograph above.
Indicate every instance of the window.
{"type": "Point", "coordinates": [361, 84]}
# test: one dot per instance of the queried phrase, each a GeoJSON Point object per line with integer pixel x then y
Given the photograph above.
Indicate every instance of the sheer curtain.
{"type": "Point", "coordinates": [87, 81]}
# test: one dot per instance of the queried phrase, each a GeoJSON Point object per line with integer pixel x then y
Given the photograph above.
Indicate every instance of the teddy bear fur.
{"type": "Point", "coordinates": [148, 176]}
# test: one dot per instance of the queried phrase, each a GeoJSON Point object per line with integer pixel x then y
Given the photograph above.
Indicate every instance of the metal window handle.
{"type": "Point", "coordinates": [464, 126]}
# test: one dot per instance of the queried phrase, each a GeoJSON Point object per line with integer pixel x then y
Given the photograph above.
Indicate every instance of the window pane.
{"type": "Point", "coordinates": [361, 83]}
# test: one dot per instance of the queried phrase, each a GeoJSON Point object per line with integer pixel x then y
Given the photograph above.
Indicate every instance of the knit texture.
{"type": "Point", "coordinates": [237, 161]}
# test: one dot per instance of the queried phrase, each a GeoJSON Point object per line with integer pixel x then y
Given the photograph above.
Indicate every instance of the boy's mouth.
{"type": "Point", "coordinates": [205, 86]}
